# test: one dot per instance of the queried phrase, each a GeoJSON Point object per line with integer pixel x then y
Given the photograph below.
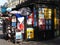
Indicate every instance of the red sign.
{"type": "Point", "coordinates": [20, 26]}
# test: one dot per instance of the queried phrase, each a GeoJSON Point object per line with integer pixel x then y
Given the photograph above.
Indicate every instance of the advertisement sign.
{"type": "Point", "coordinates": [35, 22]}
{"type": "Point", "coordinates": [48, 13]}
{"type": "Point", "coordinates": [41, 13]}
{"type": "Point", "coordinates": [30, 19]}
{"type": "Point", "coordinates": [35, 18]}
{"type": "Point", "coordinates": [50, 22]}
{"type": "Point", "coordinates": [19, 35]}
{"type": "Point", "coordinates": [42, 10]}
{"type": "Point", "coordinates": [47, 27]}
{"type": "Point", "coordinates": [20, 26]}
{"type": "Point", "coordinates": [14, 24]}
{"type": "Point", "coordinates": [41, 21]}
{"type": "Point", "coordinates": [41, 16]}
{"type": "Point", "coordinates": [50, 28]}
{"type": "Point", "coordinates": [47, 22]}
{"type": "Point", "coordinates": [30, 33]}
{"type": "Point", "coordinates": [13, 20]}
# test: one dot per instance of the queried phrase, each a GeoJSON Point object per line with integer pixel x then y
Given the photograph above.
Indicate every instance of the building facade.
{"type": "Point", "coordinates": [0, 10]}
{"type": "Point", "coordinates": [13, 3]}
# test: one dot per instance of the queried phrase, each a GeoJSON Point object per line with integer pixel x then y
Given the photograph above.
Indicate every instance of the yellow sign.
{"type": "Point", "coordinates": [30, 33]}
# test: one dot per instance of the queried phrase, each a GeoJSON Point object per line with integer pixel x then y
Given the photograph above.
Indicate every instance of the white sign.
{"type": "Point", "coordinates": [18, 35]}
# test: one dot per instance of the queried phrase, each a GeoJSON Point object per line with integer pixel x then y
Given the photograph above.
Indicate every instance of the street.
{"type": "Point", "coordinates": [3, 41]}
{"type": "Point", "coordinates": [55, 41]}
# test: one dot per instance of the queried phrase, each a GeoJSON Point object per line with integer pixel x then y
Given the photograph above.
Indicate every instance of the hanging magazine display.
{"type": "Point", "coordinates": [48, 14]}
{"type": "Point", "coordinates": [41, 19]}
{"type": "Point", "coordinates": [44, 18]}
{"type": "Point", "coordinates": [35, 17]}
{"type": "Point", "coordinates": [13, 21]}
{"type": "Point", "coordinates": [30, 19]}
{"type": "Point", "coordinates": [20, 25]}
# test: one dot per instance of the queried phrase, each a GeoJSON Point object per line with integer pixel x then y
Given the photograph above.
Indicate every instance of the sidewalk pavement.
{"type": "Point", "coordinates": [55, 41]}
